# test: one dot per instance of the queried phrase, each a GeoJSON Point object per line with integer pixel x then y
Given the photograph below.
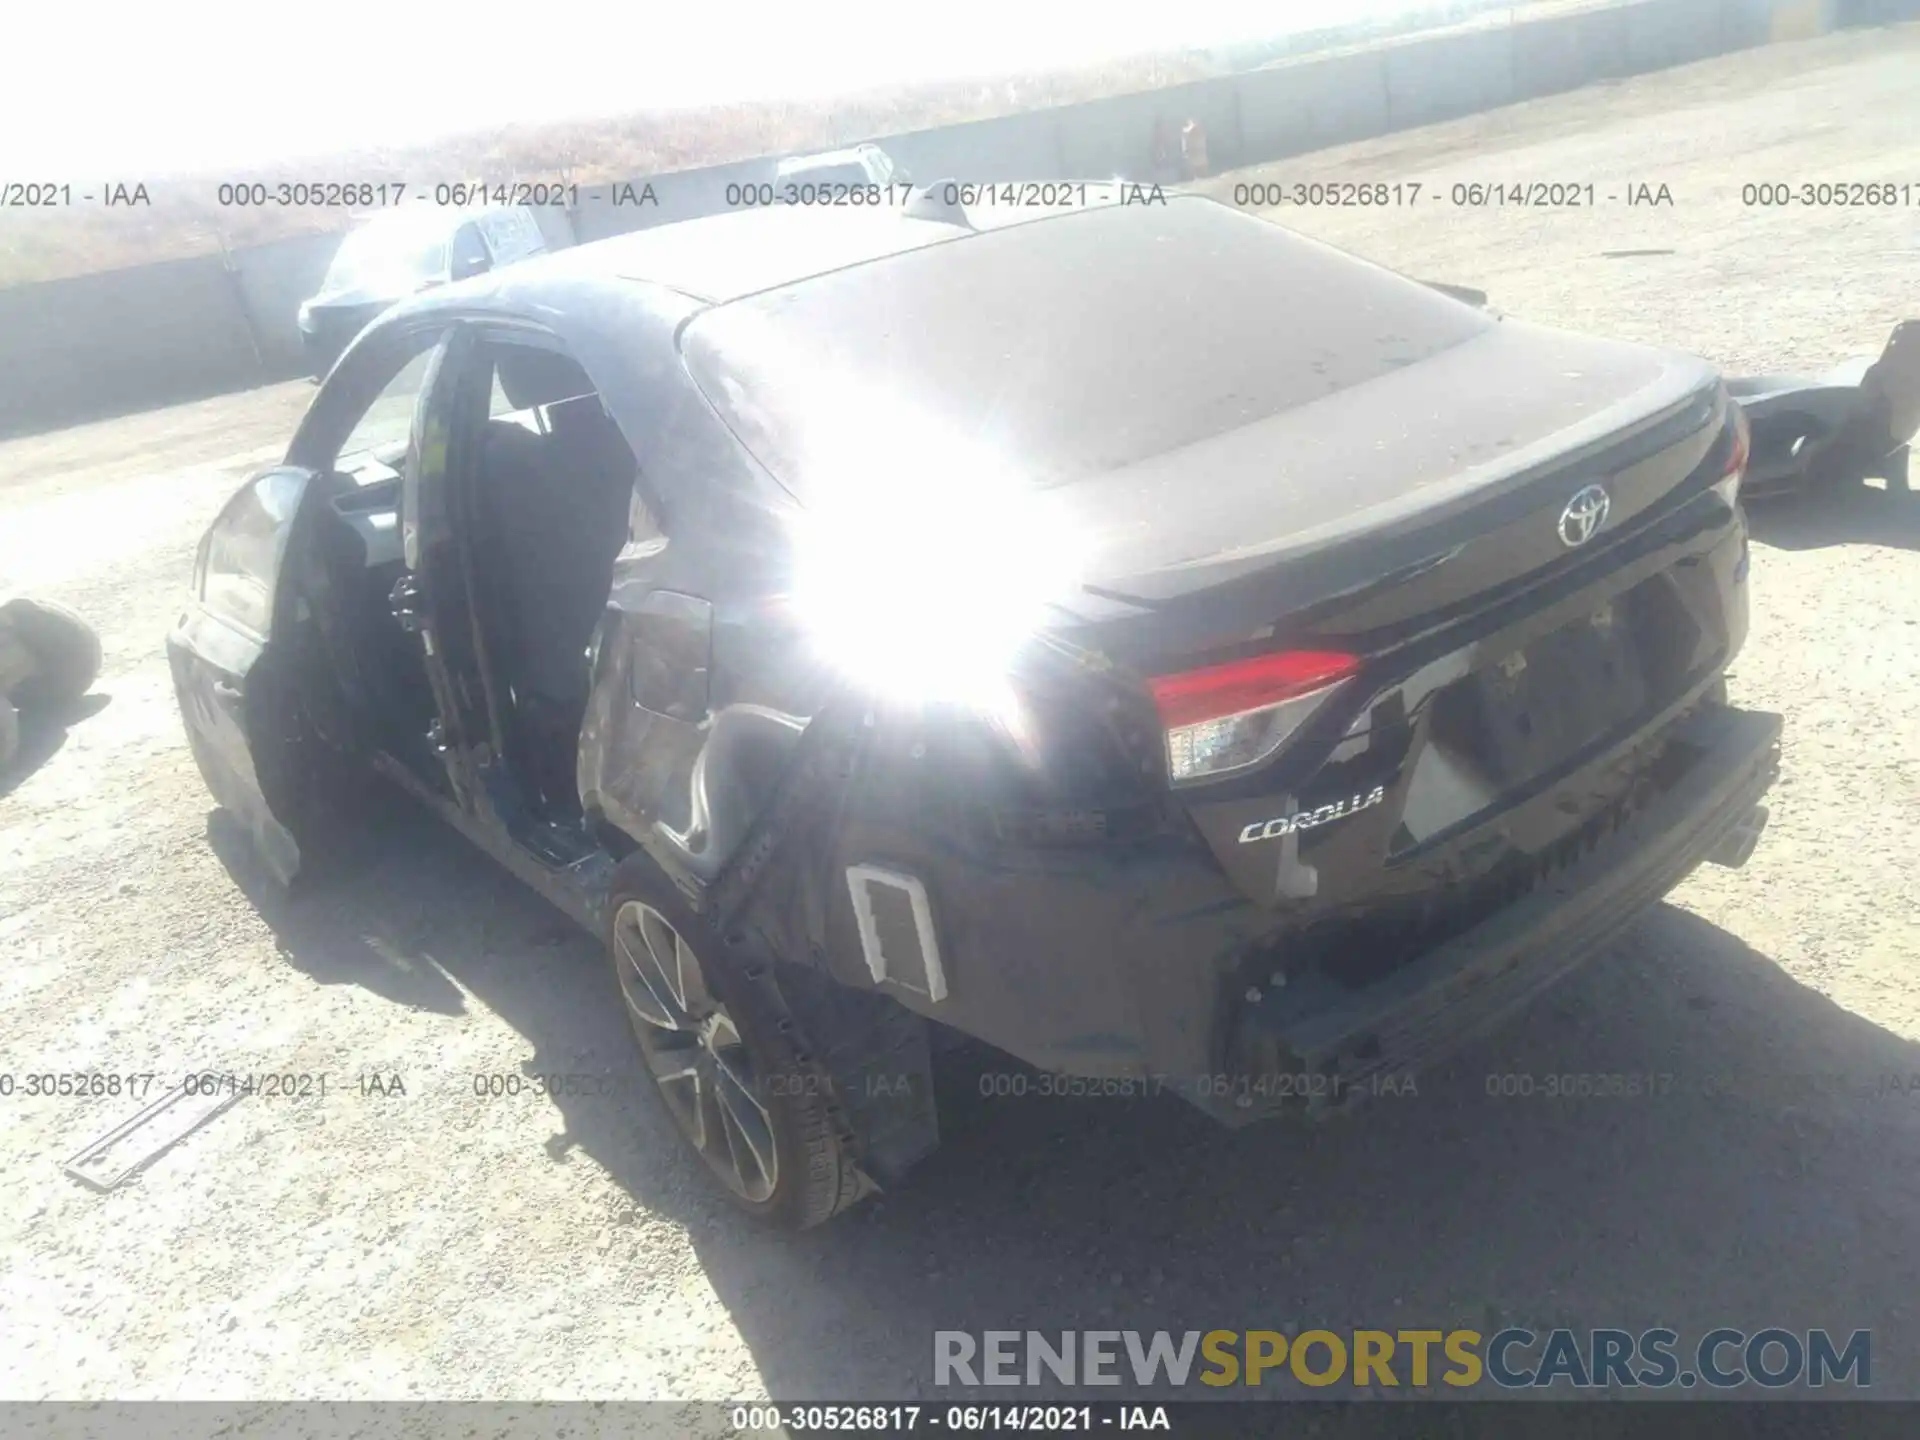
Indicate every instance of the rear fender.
{"type": "Point", "coordinates": [679, 752]}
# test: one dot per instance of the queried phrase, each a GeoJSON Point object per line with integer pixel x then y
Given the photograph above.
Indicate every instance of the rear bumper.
{"type": "Point", "coordinates": [1332, 1055]}
{"type": "Point", "coordinates": [1138, 966]}
{"type": "Point", "coordinates": [1168, 950]}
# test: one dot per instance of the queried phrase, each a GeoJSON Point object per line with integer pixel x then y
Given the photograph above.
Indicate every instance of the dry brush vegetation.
{"type": "Point", "coordinates": [184, 217]}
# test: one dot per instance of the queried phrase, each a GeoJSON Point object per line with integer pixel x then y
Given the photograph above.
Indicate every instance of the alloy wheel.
{"type": "Point", "coordinates": [695, 1052]}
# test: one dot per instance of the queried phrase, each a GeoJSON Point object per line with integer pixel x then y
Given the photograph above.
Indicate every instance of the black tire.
{"type": "Point", "coordinates": [66, 653]}
{"type": "Point", "coordinates": [815, 1176]}
{"type": "Point", "coordinates": [9, 733]}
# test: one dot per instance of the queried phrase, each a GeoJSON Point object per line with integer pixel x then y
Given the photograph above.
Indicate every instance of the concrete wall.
{"type": "Point", "coordinates": [106, 343]}
{"type": "Point", "coordinates": [1305, 105]}
{"type": "Point", "coordinates": [1014, 147]}
{"type": "Point", "coordinates": [556, 227]}
{"type": "Point", "coordinates": [1869, 12]}
{"type": "Point", "coordinates": [1115, 136]}
{"type": "Point", "coordinates": [1450, 76]}
{"type": "Point", "coordinates": [272, 280]}
{"type": "Point", "coordinates": [1289, 108]}
{"type": "Point", "coordinates": [1665, 33]}
{"type": "Point", "coordinates": [1576, 50]}
{"type": "Point", "coordinates": [122, 340]}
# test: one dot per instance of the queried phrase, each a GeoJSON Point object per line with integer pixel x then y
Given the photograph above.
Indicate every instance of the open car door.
{"type": "Point", "coordinates": [235, 693]}
{"type": "Point", "coordinates": [260, 708]}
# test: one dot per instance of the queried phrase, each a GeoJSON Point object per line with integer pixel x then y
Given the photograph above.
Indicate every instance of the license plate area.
{"type": "Point", "coordinates": [1540, 704]}
{"type": "Point", "coordinates": [1530, 710]}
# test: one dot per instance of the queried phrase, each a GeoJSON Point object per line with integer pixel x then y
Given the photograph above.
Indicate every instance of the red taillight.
{"type": "Point", "coordinates": [1227, 718]}
{"type": "Point", "coordinates": [1196, 695]}
{"type": "Point", "coordinates": [1742, 444]}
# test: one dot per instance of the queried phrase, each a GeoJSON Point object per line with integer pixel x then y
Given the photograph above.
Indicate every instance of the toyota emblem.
{"type": "Point", "coordinates": [1586, 512]}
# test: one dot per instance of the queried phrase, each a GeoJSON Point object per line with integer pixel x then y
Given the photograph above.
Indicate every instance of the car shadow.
{"type": "Point", "coordinates": [42, 733]}
{"type": "Point", "coordinates": [1765, 1168]}
{"type": "Point", "coordinates": [369, 922]}
{"type": "Point", "coordinates": [420, 918]}
{"type": "Point", "coordinates": [1682, 1135]}
{"type": "Point", "coordinates": [1855, 514]}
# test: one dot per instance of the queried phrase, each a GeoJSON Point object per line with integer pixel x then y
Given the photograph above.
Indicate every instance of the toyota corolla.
{"type": "Point", "coordinates": [1161, 646]}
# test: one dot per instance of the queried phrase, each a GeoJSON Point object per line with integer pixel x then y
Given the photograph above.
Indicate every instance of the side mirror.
{"type": "Point", "coordinates": [467, 254]}
{"type": "Point", "coordinates": [470, 264]}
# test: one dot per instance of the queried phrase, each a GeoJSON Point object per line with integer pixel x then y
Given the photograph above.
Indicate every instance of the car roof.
{"type": "Point", "coordinates": [421, 221]}
{"type": "Point", "coordinates": [723, 257]}
{"type": "Point", "coordinates": [845, 155]}
{"type": "Point", "coordinates": [850, 155]}
{"type": "Point", "coordinates": [658, 278]}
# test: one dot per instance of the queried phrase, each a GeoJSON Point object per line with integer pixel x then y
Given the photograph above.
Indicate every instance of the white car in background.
{"type": "Point", "coordinates": [856, 165]}
{"type": "Point", "coordinates": [401, 252]}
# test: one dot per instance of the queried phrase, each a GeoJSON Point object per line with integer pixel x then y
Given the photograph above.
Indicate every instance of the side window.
{"type": "Point", "coordinates": [501, 407]}
{"type": "Point", "coordinates": [582, 453]}
{"type": "Point", "coordinates": [467, 253]}
{"type": "Point", "coordinates": [386, 423]}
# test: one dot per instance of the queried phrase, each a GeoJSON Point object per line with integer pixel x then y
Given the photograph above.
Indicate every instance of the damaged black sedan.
{"type": "Point", "coordinates": [1158, 645]}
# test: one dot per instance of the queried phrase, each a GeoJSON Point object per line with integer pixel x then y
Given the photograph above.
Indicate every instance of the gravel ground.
{"type": "Point", "coordinates": [433, 1244]}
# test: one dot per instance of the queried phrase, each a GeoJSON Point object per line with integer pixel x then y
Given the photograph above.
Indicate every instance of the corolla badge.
{"type": "Point", "coordinates": [1586, 512]}
{"type": "Point", "coordinates": [1311, 819]}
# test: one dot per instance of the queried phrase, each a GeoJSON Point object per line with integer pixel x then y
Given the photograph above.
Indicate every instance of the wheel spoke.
{"type": "Point", "coordinates": [644, 1007]}
{"type": "Point", "coordinates": [748, 1124]}
{"type": "Point", "coordinates": [730, 1058]}
{"type": "Point", "coordinates": [686, 1093]}
{"type": "Point", "coordinates": [749, 1131]}
{"type": "Point", "coordinates": [663, 957]}
{"type": "Point", "coordinates": [695, 1052]}
{"type": "Point", "coordinates": [713, 1121]}
{"type": "Point", "coordinates": [643, 982]}
{"type": "Point", "coordinates": [692, 985]}
{"type": "Point", "coordinates": [669, 1061]}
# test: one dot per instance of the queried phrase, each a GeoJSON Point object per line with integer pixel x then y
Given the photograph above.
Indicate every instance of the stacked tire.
{"type": "Point", "coordinates": [65, 661]}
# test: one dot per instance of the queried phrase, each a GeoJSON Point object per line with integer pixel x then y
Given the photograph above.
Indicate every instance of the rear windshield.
{"type": "Point", "coordinates": [388, 259]}
{"type": "Point", "coordinates": [512, 234]}
{"type": "Point", "coordinates": [1069, 346]}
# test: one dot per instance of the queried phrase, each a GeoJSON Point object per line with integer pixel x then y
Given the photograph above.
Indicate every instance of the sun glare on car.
{"type": "Point", "coordinates": [925, 564]}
